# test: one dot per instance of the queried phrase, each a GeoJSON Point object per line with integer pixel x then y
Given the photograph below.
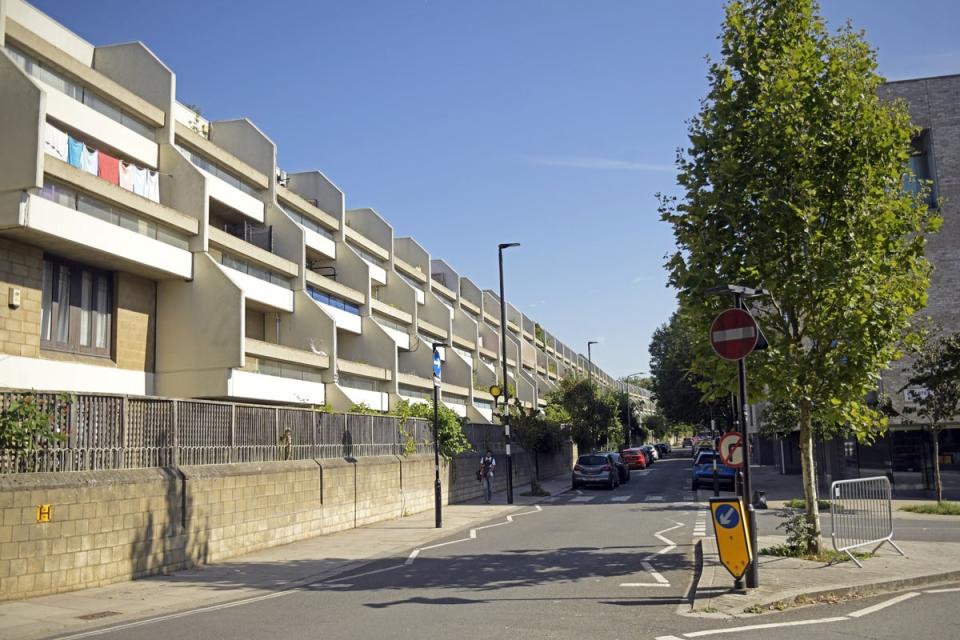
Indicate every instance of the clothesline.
{"type": "Point", "coordinates": [141, 181]}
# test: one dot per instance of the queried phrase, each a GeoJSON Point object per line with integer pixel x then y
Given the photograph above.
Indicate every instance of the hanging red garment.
{"type": "Point", "coordinates": [109, 168]}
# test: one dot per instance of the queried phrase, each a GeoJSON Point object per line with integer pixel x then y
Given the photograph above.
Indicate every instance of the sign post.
{"type": "Point", "coordinates": [733, 540]}
{"type": "Point", "coordinates": [733, 335]}
{"type": "Point", "coordinates": [437, 501]}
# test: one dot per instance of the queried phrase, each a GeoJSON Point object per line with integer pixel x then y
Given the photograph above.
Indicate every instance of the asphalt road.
{"type": "Point", "coordinates": [594, 563]}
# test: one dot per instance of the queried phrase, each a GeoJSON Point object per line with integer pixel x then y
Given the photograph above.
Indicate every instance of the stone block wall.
{"type": "Point", "coordinates": [239, 508]}
{"type": "Point", "coordinates": [105, 526]}
{"type": "Point", "coordinates": [109, 526]}
{"type": "Point", "coordinates": [378, 491]}
{"type": "Point", "coordinates": [21, 267]}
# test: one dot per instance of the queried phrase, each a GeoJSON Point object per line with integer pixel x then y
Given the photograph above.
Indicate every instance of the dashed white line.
{"type": "Point", "coordinates": [951, 590]}
{"type": "Point", "coordinates": [653, 499]}
{"type": "Point", "coordinates": [883, 605]}
{"type": "Point", "coordinates": [620, 498]}
{"type": "Point", "coordinates": [583, 499]}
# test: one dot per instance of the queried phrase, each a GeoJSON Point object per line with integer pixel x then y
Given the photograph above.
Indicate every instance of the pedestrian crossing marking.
{"type": "Point", "coordinates": [654, 499]}
{"type": "Point", "coordinates": [583, 499]}
{"type": "Point", "coordinates": [620, 498]}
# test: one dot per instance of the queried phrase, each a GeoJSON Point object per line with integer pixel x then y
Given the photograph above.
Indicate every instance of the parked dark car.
{"type": "Point", "coordinates": [663, 448]}
{"type": "Point", "coordinates": [687, 442]}
{"type": "Point", "coordinates": [635, 458]}
{"type": "Point", "coordinates": [652, 454]}
{"type": "Point", "coordinates": [595, 468]}
{"type": "Point", "coordinates": [703, 471]}
{"type": "Point", "coordinates": [622, 467]}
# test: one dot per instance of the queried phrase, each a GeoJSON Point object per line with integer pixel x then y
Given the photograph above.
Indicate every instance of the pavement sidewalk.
{"type": "Point", "coordinates": [791, 582]}
{"type": "Point", "coordinates": [255, 574]}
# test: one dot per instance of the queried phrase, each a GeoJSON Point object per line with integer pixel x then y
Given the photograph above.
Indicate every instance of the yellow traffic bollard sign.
{"type": "Point", "coordinates": [733, 539]}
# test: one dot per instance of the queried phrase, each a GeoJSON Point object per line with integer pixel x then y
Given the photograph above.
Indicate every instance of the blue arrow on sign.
{"type": "Point", "coordinates": [727, 516]}
{"type": "Point", "coordinates": [436, 368]}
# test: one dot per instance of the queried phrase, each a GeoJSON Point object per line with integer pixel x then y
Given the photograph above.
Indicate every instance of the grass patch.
{"type": "Point", "coordinates": [826, 555]}
{"type": "Point", "coordinates": [937, 508]}
{"type": "Point", "coordinates": [800, 503]}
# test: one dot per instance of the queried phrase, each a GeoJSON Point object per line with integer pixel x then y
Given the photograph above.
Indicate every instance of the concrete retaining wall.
{"type": "Point", "coordinates": [109, 526]}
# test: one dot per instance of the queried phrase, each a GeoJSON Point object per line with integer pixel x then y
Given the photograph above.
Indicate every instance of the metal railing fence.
{"type": "Point", "coordinates": [861, 514]}
{"type": "Point", "coordinates": [129, 432]}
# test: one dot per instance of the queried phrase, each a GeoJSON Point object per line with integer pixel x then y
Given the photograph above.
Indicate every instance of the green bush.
{"type": "Point", "coordinates": [938, 508]}
{"type": "Point", "coordinates": [25, 425]}
{"type": "Point", "coordinates": [452, 439]}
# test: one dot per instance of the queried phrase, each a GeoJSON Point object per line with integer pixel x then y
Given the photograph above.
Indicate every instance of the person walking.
{"type": "Point", "coordinates": [487, 467]}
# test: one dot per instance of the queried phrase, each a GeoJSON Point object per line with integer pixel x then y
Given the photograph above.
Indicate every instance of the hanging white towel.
{"type": "Point", "coordinates": [153, 185]}
{"type": "Point", "coordinates": [55, 142]}
{"type": "Point", "coordinates": [90, 160]}
{"type": "Point", "coordinates": [128, 175]}
{"type": "Point", "coordinates": [140, 181]}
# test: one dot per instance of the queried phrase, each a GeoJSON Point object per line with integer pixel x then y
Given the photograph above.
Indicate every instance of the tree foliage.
{"type": "Point", "coordinates": [452, 439]}
{"type": "Point", "coordinates": [793, 181]}
{"type": "Point", "coordinates": [592, 413]}
{"type": "Point", "coordinates": [676, 387]}
{"type": "Point", "coordinates": [936, 370]}
{"type": "Point", "coordinates": [27, 425]}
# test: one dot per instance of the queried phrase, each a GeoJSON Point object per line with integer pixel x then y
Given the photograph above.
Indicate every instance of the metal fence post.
{"type": "Point", "coordinates": [124, 422]}
{"type": "Point", "coordinates": [175, 446]}
{"type": "Point", "coordinates": [233, 433]}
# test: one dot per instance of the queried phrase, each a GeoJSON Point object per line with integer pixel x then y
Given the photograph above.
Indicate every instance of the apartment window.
{"type": "Point", "coordinates": [215, 170]}
{"type": "Point", "coordinates": [37, 69]}
{"type": "Point", "coordinates": [413, 283]}
{"type": "Point", "coordinates": [369, 257]}
{"type": "Point", "coordinates": [390, 324]}
{"type": "Point", "coordinates": [483, 404]}
{"type": "Point", "coordinates": [414, 392]}
{"type": "Point", "coordinates": [921, 166]}
{"type": "Point", "coordinates": [260, 273]}
{"type": "Point", "coordinates": [361, 384]}
{"type": "Point", "coordinates": [73, 199]}
{"type": "Point", "coordinates": [306, 222]}
{"type": "Point", "coordinates": [77, 308]}
{"type": "Point", "coordinates": [288, 370]}
{"type": "Point", "coordinates": [333, 301]}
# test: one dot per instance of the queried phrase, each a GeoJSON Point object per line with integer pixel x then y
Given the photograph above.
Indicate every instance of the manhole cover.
{"type": "Point", "coordinates": [98, 615]}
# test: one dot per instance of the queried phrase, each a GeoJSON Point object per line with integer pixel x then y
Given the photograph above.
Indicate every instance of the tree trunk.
{"type": "Point", "coordinates": [809, 471]}
{"type": "Point", "coordinates": [937, 483]}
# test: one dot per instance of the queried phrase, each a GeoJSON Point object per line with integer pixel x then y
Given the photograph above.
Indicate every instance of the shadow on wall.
{"type": "Point", "coordinates": [175, 542]}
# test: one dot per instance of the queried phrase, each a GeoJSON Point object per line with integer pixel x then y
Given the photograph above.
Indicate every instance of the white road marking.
{"type": "Point", "coordinates": [644, 584]}
{"type": "Point", "coordinates": [579, 493]}
{"type": "Point", "coordinates": [413, 556]}
{"type": "Point", "coordinates": [471, 536]}
{"type": "Point", "coordinates": [620, 498]}
{"type": "Point", "coordinates": [653, 572]}
{"type": "Point", "coordinates": [653, 499]}
{"type": "Point", "coordinates": [583, 499]}
{"type": "Point", "coordinates": [753, 627]}
{"type": "Point", "coordinates": [645, 563]}
{"type": "Point", "coordinates": [667, 638]}
{"type": "Point", "coordinates": [942, 590]}
{"type": "Point", "coordinates": [883, 605]}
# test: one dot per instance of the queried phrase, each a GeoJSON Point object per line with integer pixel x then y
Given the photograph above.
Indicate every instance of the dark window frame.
{"type": "Point", "coordinates": [73, 343]}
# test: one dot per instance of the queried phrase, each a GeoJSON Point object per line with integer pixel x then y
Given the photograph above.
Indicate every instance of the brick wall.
{"type": "Point", "coordinates": [21, 267]}
{"type": "Point", "coordinates": [109, 526]}
{"type": "Point", "coordinates": [239, 508]}
{"type": "Point", "coordinates": [136, 322]}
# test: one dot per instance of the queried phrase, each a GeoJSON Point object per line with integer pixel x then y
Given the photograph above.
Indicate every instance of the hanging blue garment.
{"type": "Point", "coordinates": [74, 152]}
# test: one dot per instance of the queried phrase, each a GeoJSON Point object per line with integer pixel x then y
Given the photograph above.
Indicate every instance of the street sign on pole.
{"type": "Point", "coordinates": [436, 368]}
{"type": "Point", "coordinates": [733, 334]}
{"type": "Point", "coordinates": [437, 490]}
{"type": "Point", "coordinates": [731, 449]}
{"type": "Point", "coordinates": [733, 540]}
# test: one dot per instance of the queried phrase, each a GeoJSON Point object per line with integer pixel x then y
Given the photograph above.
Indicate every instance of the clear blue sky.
{"type": "Point", "coordinates": [550, 123]}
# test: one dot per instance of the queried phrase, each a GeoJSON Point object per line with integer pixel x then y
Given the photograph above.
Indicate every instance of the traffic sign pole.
{"type": "Point", "coordinates": [753, 577]}
{"type": "Point", "coordinates": [437, 489]}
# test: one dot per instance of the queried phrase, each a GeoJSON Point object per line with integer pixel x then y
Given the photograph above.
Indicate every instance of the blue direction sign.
{"type": "Point", "coordinates": [436, 368]}
{"type": "Point", "coordinates": [727, 517]}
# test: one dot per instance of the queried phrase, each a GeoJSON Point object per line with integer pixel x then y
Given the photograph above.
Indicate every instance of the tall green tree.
{"type": "Point", "coordinates": [675, 386]}
{"type": "Point", "coordinates": [536, 433]}
{"type": "Point", "coordinates": [936, 370]}
{"type": "Point", "coordinates": [793, 182]}
{"type": "Point", "coordinates": [592, 413]}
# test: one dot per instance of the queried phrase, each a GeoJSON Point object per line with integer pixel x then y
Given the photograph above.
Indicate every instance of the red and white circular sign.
{"type": "Point", "coordinates": [733, 334]}
{"type": "Point", "coordinates": [731, 449]}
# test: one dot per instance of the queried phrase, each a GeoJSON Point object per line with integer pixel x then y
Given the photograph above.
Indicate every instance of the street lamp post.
{"type": "Point", "coordinates": [626, 385]}
{"type": "Point", "coordinates": [590, 343]}
{"type": "Point", "coordinates": [506, 380]}
{"type": "Point", "coordinates": [437, 489]}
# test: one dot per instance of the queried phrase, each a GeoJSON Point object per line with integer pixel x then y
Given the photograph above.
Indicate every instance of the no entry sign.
{"type": "Point", "coordinates": [733, 334]}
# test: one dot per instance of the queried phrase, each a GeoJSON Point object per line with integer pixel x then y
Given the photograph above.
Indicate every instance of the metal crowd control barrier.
{"type": "Point", "coordinates": [861, 514]}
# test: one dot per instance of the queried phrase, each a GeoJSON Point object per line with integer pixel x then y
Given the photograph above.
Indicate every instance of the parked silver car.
{"type": "Point", "coordinates": [595, 468]}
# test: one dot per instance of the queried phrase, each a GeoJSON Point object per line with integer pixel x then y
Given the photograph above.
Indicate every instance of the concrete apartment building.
{"type": "Point", "coordinates": [147, 251]}
{"type": "Point", "coordinates": [904, 453]}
